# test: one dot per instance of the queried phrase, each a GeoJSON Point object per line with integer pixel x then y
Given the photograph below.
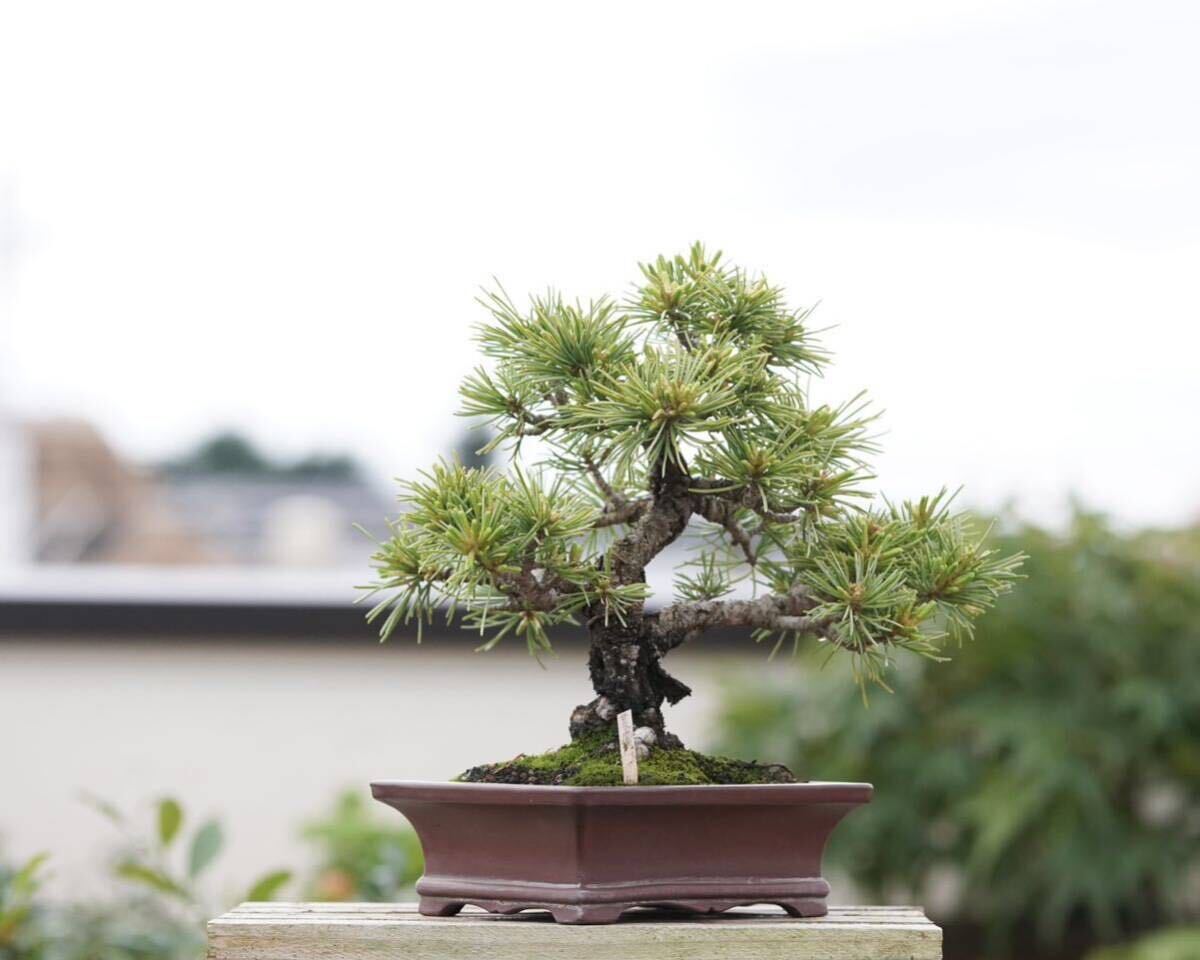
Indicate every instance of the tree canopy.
{"type": "Point", "coordinates": [687, 399]}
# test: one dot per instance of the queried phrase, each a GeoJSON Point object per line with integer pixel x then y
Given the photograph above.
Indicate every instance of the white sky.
{"type": "Point", "coordinates": [275, 215]}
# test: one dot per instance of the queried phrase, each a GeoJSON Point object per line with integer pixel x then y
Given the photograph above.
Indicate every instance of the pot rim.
{"type": "Point", "coordinates": [735, 794]}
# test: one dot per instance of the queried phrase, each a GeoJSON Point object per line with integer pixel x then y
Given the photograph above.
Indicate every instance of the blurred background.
{"type": "Point", "coordinates": [239, 245]}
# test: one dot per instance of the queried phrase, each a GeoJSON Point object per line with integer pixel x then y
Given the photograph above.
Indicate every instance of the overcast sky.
{"type": "Point", "coordinates": [275, 216]}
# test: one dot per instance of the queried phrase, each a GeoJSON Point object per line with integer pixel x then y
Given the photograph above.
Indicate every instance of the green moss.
{"type": "Point", "coordinates": [594, 761]}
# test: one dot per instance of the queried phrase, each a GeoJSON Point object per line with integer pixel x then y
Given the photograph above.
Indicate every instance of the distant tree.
{"type": "Point", "coordinates": [322, 467]}
{"type": "Point", "coordinates": [227, 452]}
{"type": "Point", "coordinates": [231, 453]}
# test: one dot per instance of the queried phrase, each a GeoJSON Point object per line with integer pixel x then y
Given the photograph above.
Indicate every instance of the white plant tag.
{"type": "Point", "coordinates": [629, 763]}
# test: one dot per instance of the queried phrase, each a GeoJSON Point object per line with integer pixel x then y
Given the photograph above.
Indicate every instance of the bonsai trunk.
{"type": "Point", "coordinates": [627, 674]}
{"type": "Point", "coordinates": [624, 661]}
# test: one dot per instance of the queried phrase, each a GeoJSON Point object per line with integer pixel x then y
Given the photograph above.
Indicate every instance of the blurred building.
{"type": "Point", "coordinates": [190, 629]}
{"type": "Point", "coordinates": [16, 526]}
{"type": "Point", "coordinates": [90, 505]}
{"type": "Point", "coordinates": [279, 521]}
{"type": "Point", "coordinates": [87, 504]}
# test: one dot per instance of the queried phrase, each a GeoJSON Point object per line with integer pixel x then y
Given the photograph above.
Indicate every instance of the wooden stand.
{"type": "Point", "coordinates": [377, 931]}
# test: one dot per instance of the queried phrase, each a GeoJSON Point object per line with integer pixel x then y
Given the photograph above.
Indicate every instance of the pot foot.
{"type": "Point", "coordinates": [439, 907]}
{"type": "Point", "coordinates": [583, 913]}
{"type": "Point", "coordinates": [593, 913]}
{"type": "Point", "coordinates": [804, 906]}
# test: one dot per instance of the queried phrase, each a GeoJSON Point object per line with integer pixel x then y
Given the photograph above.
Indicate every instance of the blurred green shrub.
{"type": "Point", "coordinates": [1046, 779]}
{"type": "Point", "coordinates": [160, 904]}
{"type": "Point", "coordinates": [20, 931]}
{"type": "Point", "coordinates": [158, 912]}
{"type": "Point", "coordinates": [1181, 943]}
{"type": "Point", "coordinates": [148, 863]}
{"type": "Point", "coordinates": [359, 859]}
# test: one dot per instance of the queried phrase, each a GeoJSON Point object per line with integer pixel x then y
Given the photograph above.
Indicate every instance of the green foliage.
{"type": "Point", "coordinates": [148, 864]}
{"type": "Point", "coordinates": [1051, 770]}
{"type": "Point", "coordinates": [268, 885]}
{"type": "Point", "coordinates": [700, 353]}
{"type": "Point", "coordinates": [698, 374]}
{"type": "Point", "coordinates": [170, 819]}
{"type": "Point", "coordinates": [795, 456]}
{"type": "Point", "coordinates": [710, 580]}
{"type": "Point", "coordinates": [359, 857]}
{"type": "Point", "coordinates": [469, 536]}
{"type": "Point", "coordinates": [122, 929]}
{"type": "Point", "coordinates": [555, 347]}
{"type": "Point", "coordinates": [231, 454]}
{"type": "Point", "coordinates": [669, 398]}
{"type": "Point", "coordinates": [224, 453]}
{"type": "Point", "coordinates": [19, 933]}
{"type": "Point", "coordinates": [158, 909]}
{"type": "Point", "coordinates": [206, 844]}
{"type": "Point", "coordinates": [901, 578]}
{"type": "Point", "coordinates": [1182, 943]}
{"type": "Point", "coordinates": [701, 301]}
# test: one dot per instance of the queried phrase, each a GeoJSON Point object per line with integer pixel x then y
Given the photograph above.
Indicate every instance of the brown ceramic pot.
{"type": "Point", "coordinates": [588, 853]}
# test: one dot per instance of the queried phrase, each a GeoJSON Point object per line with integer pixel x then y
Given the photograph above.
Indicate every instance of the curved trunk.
{"type": "Point", "coordinates": [624, 659]}
{"type": "Point", "coordinates": [627, 674]}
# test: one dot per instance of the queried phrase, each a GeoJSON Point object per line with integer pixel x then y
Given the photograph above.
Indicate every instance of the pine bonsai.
{"type": "Point", "coordinates": [683, 406]}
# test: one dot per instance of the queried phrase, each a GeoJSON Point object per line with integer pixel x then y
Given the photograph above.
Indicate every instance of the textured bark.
{"type": "Point", "coordinates": [683, 621]}
{"type": "Point", "coordinates": [658, 526]}
{"type": "Point", "coordinates": [626, 512]}
{"type": "Point", "coordinates": [625, 659]}
{"type": "Point", "coordinates": [748, 497]}
{"type": "Point", "coordinates": [627, 674]}
{"type": "Point", "coordinates": [724, 513]}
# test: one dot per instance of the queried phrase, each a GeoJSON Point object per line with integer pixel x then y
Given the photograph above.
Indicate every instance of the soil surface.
{"type": "Point", "coordinates": [594, 761]}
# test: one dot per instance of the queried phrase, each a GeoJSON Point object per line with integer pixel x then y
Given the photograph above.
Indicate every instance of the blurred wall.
{"type": "Point", "coordinates": [16, 505]}
{"type": "Point", "coordinates": [264, 735]}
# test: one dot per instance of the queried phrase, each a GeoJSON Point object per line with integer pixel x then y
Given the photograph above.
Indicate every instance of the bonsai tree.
{"type": "Point", "coordinates": [682, 407]}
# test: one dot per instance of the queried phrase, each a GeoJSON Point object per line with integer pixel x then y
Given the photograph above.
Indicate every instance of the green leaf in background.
{"type": "Point", "coordinates": [1045, 780]}
{"type": "Point", "coordinates": [149, 877]}
{"type": "Point", "coordinates": [1181, 943]}
{"type": "Point", "coordinates": [103, 807]}
{"type": "Point", "coordinates": [25, 881]}
{"type": "Point", "coordinates": [206, 844]}
{"type": "Point", "coordinates": [268, 885]}
{"type": "Point", "coordinates": [360, 856]}
{"type": "Point", "coordinates": [170, 819]}
{"type": "Point", "coordinates": [17, 890]}
{"type": "Point", "coordinates": [11, 921]}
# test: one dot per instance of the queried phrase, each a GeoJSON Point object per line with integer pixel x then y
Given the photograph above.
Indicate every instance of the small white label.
{"type": "Point", "coordinates": [628, 747]}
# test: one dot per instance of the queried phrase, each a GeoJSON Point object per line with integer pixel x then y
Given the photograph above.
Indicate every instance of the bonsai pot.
{"type": "Point", "coordinates": [588, 853]}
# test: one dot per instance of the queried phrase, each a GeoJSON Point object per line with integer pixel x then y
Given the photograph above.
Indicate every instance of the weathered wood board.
{"type": "Point", "coordinates": [374, 931]}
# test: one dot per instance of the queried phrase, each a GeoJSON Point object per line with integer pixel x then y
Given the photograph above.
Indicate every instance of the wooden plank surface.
{"type": "Point", "coordinates": [374, 931]}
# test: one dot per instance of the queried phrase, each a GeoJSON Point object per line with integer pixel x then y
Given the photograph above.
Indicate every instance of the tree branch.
{"type": "Point", "coordinates": [528, 423]}
{"type": "Point", "coordinates": [627, 512]}
{"type": "Point", "coordinates": [614, 499]}
{"type": "Point", "coordinates": [528, 591]}
{"type": "Point", "coordinates": [665, 519]}
{"type": "Point", "coordinates": [540, 425]}
{"type": "Point", "coordinates": [724, 514]}
{"type": "Point", "coordinates": [682, 621]}
{"type": "Point", "coordinates": [676, 321]}
{"type": "Point", "coordinates": [749, 498]}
